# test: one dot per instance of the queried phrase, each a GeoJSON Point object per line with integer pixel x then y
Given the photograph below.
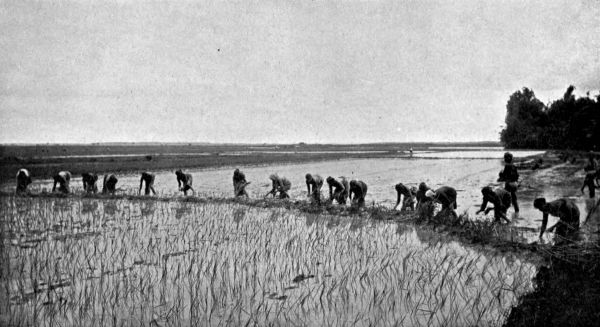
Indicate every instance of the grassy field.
{"type": "Point", "coordinates": [93, 261]}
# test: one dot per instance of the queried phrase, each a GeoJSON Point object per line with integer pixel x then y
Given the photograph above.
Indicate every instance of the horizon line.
{"type": "Point", "coordinates": [245, 144]}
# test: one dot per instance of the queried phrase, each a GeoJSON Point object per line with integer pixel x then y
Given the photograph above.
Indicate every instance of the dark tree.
{"type": "Point", "coordinates": [525, 117]}
{"type": "Point", "coordinates": [568, 123]}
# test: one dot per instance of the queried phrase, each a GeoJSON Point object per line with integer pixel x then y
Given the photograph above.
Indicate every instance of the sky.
{"type": "Point", "coordinates": [285, 71]}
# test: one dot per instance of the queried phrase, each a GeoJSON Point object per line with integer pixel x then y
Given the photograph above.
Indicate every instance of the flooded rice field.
{"type": "Point", "coordinates": [467, 175]}
{"type": "Point", "coordinates": [95, 262]}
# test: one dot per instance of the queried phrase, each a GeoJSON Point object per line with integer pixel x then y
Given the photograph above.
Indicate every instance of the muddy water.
{"type": "Point", "coordinates": [467, 171]}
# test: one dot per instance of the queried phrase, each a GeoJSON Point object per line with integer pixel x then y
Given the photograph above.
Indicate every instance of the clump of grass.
{"type": "Point", "coordinates": [567, 291]}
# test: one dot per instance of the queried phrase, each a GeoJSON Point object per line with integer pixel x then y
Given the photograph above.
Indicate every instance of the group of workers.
{"type": "Point", "coordinates": [355, 191]}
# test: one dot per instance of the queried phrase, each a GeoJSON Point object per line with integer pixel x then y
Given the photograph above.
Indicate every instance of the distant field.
{"type": "Point", "coordinates": [45, 160]}
{"type": "Point", "coordinates": [46, 150]}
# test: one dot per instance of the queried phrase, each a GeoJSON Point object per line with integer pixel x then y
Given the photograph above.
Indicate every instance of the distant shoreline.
{"type": "Point", "coordinates": [44, 161]}
{"type": "Point", "coordinates": [473, 143]}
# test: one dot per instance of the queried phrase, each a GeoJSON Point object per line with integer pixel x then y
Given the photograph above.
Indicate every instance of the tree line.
{"type": "Point", "coordinates": [567, 123]}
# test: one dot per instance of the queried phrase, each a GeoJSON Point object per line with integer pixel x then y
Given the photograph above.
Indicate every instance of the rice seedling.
{"type": "Point", "coordinates": [129, 261]}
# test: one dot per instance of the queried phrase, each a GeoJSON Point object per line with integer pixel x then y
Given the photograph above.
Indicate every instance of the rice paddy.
{"type": "Point", "coordinates": [98, 262]}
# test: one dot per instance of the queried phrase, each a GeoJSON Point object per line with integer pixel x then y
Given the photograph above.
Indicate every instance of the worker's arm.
{"type": "Point", "coordinates": [483, 206]}
{"type": "Point", "coordinates": [544, 223]}
{"type": "Point", "coordinates": [400, 200]}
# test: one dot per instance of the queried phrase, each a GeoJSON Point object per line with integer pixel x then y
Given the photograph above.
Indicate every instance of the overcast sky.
{"type": "Point", "coordinates": [284, 71]}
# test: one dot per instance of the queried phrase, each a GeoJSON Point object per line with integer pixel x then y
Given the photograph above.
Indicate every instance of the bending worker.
{"type": "Point", "coordinates": [89, 182]}
{"type": "Point", "coordinates": [338, 191]}
{"type": "Point", "coordinates": [281, 185]}
{"type": "Point", "coordinates": [406, 197]}
{"type": "Point", "coordinates": [316, 182]}
{"type": "Point", "coordinates": [501, 200]}
{"type": "Point", "coordinates": [23, 180]}
{"type": "Point", "coordinates": [184, 181]}
{"type": "Point", "coordinates": [147, 178]}
{"type": "Point", "coordinates": [565, 210]}
{"type": "Point", "coordinates": [359, 190]}
{"type": "Point", "coordinates": [421, 198]}
{"type": "Point", "coordinates": [110, 184]}
{"type": "Point", "coordinates": [239, 183]}
{"type": "Point", "coordinates": [445, 195]}
{"type": "Point", "coordinates": [63, 179]}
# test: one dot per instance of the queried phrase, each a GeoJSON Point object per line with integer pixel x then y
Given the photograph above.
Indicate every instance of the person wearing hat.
{"type": "Point", "coordinates": [510, 176]}
{"type": "Point", "coordinates": [445, 195]}
{"type": "Point", "coordinates": [89, 182]}
{"type": "Point", "coordinates": [564, 209]}
{"type": "Point", "coordinates": [23, 180]}
{"type": "Point", "coordinates": [501, 200]}
{"type": "Point", "coordinates": [63, 178]}
{"type": "Point", "coordinates": [109, 185]}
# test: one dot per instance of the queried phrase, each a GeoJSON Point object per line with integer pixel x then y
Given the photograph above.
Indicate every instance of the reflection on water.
{"type": "Point", "coordinates": [89, 206]}
{"type": "Point", "coordinates": [147, 208]}
{"type": "Point", "coordinates": [62, 205]}
{"type": "Point", "coordinates": [468, 176]}
{"type": "Point", "coordinates": [182, 209]}
{"type": "Point", "coordinates": [490, 148]}
{"type": "Point", "coordinates": [476, 154]}
{"type": "Point", "coordinates": [110, 207]}
{"type": "Point", "coordinates": [239, 214]}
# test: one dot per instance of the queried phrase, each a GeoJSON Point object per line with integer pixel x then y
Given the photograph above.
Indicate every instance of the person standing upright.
{"type": "Point", "coordinates": [510, 176]}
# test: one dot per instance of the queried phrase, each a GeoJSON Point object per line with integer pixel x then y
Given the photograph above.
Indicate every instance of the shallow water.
{"type": "Point", "coordinates": [99, 262]}
{"type": "Point", "coordinates": [466, 175]}
{"type": "Point", "coordinates": [483, 154]}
